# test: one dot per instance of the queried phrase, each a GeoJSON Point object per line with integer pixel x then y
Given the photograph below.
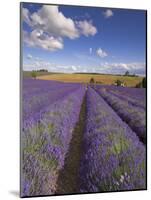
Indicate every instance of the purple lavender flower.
{"type": "Point", "coordinates": [134, 116]}
{"type": "Point", "coordinates": [113, 157]}
{"type": "Point", "coordinates": [46, 135]}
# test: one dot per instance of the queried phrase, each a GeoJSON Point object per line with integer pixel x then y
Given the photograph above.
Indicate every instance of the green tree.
{"type": "Point", "coordinates": [92, 80]}
{"type": "Point", "coordinates": [139, 85]}
{"type": "Point", "coordinates": [34, 74]}
{"type": "Point", "coordinates": [144, 82]}
{"type": "Point", "coordinates": [118, 82]}
{"type": "Point", "coordinates": [127, 73]}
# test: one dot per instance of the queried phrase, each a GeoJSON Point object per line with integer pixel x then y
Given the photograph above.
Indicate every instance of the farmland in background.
{"type": "Point", "coordinates": [130, 81]}
{"type": "Point", "coordinates": [85, 78]}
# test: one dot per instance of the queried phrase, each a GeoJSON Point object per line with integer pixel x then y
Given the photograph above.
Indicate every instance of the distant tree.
{"type": "Point", "coordinates": [92, 80]}
{"type": "Point", "coordinates": [127, 73]}
{"type": "Point", "coordinates": [119, 82]}
{"type": "Point", "coordinates": [144, 82]}
{"type": "Point", "coordinates": [139, 85]}
{"type": "Point", "coordinates": [133, 75]}
{"type": "Point", "coordinates": [43, 70]}
{"type": "Point", "coordinates": [34, 74]}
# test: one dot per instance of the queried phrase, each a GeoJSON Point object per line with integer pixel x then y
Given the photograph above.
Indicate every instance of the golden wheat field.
{"type": "Point", "coordinates": [99, 78]}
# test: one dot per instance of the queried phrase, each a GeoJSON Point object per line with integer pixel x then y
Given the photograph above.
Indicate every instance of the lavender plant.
{"type": "Point", "coordinates": [113, 158]}
{"type": "Point", "coordinates": [41, 94]}
{"type": "Point", "coordinates": [129, 100]}
{"type": "Point", "coordinates": [45, 144]}
{"type": "Point", "coordinates": [134, 116]}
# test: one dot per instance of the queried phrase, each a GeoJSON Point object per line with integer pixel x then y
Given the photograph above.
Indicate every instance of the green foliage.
{"type": "Point", "coordinates": [139, 85]}
{"type": "Point", "coordinates": [92, 80]}
{"type": "Point", "coordinates": [127, 73]}
{"type": "Point", "coordinates": [42, 70]}
{"type": "Point", "coordinates": [118, 82]}
{"type": "Point", "coordinates": [144, 82]}
{"type": "Point", "coordinates": [34, 74]}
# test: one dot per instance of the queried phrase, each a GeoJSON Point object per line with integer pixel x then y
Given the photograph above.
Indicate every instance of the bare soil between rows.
{"type": "Point", "coordinates": [67, 182]}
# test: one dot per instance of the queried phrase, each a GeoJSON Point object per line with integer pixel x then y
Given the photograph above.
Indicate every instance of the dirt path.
{"type": "Point", "coordinates": [68, 177]}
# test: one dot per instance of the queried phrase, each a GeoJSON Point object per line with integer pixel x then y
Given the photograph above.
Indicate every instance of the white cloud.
{"type": "Point", "coordinates": [108, 13]}
{"type": "Point", "coordinates": [37, 38]}
{"type": "Point", "coordinates": [26, 15]}
{"type": "Point", "coordinates": [40, 64]}
{"type": "Point", "coordinates": [74, 68]}
{"type": "Point", "coordinates": [117, 65]}
{"type": "Point", "coordinates": [49, 27]}
{"type": "Point", "coordinates": [101, 53]}
{"type": "Point", "coordinates": [105, 67]}
{"type": "Point", "coordinates": [121, 68]}
{"type": "Point", "coordinates": [127, 66]}
{"type": "Point", "coordinates": [86, 28]}
{"type": "Point", "coordinates": [29, 56]}
{"type": "Point", "coordinates": [90, 50]}
{"type": "Point", "coordinates": [51, 20]}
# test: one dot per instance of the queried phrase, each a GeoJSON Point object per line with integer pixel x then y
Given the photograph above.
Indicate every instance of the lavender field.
{"type": "Point", "coordinates": [80, 138]}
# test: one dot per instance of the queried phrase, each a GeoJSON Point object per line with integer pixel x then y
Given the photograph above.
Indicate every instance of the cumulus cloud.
{"type": "Point", "coordinates": [121, 68]}
{"type": "Point", "coordinates": [108, 13]}
{"type": "Point", "coordinates": [137, 68]}
{"type": "Point", "coordinates": [101, 53]}
{"type": "Point", "coordinates": [37, 38]}
{"type": "Point", "coordinates": [86, 28]}
{"type": "Point", "coordinates": [26, 15]}
{"type": "Point", "coordinates": [127, 66]}
{"type": "Point", "coordinates": [39, 64]}
{"type": "Point", "coordinates": [74, 68]}
{"type": "Point", "coordinates": [51, 20]}
{"type": "Point", "coordinates": [49, 27]}
{"type": "Point", "coordinates": [29, 56]}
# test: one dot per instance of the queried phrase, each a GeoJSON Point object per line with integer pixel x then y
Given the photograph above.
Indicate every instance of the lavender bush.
{"type": "Point", "coordinates": [39, 94]}
{"type": "Point", "coordinates": [134, 116]}
{"type": "Point", "coordinates": [129, 100]}
{"type": "Point", "coordinates": [45, 143]}
{"type": "Point", "coordinates": [113, 157]}
{"type": "Point", "coordinates": [137, 94]}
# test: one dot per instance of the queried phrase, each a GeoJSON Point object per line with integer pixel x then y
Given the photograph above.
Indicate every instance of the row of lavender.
{"type": "Point", "coordinates": [138, 94]}
{"type": "Point", "coordinates": [35, 86]}
{"type": "Point", "coordinates": [45, 141]}
{"type": "Point", "coordinates": [129, 110]}
{"type": "Point", "coordinates": [113, 157]}
{"type": "Point", "coordinates": [135, 93]}
{"type": "Point", "coordinates": [38, 94]}
{"type": "Point", "coordinates": [129, 100]}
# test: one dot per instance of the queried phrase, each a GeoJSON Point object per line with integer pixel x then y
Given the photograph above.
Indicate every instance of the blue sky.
{"type": "Point", "coordinates": [83, 39]}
